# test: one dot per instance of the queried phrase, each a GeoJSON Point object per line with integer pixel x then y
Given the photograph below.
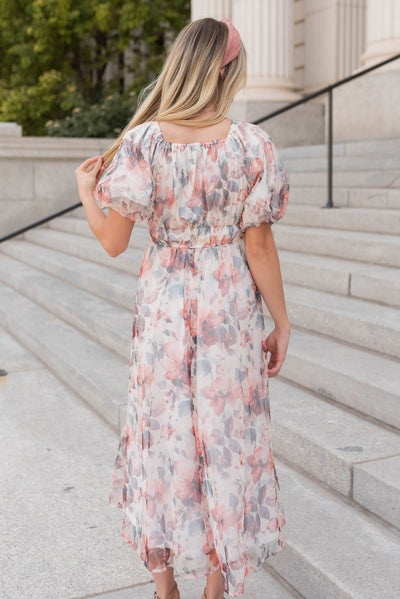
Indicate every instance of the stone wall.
{"type": "Point", "coordinates": [37, 174]}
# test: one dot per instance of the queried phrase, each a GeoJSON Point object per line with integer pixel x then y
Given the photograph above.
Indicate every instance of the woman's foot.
{"type": "Point", "coordinates": [173, 594]}
{"type": "Point", "coordinates": [215, 586]}
{"type": "Point", "coordinates": [204, 595]}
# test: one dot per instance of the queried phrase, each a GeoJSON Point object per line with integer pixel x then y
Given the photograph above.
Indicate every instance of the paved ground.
{"type": "Point", "coordinates": [60, 539]}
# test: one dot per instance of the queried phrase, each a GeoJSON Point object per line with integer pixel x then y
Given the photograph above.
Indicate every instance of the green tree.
{"type": "Point", "coordinates": [56, 57]}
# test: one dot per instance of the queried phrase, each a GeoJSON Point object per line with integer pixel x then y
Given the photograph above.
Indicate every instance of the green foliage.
{"type": "Point", "coordinates": [55, 53]}
{"type": "Point", "coordinates": [107, 118]}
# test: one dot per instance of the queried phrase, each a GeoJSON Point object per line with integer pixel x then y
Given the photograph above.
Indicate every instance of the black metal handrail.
{"type": "Point", "coordinates": [41, 221]}
{"type": "Point", "coordinates": [328, 89]}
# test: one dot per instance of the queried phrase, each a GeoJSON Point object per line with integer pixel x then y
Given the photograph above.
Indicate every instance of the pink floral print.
{"type": "Point", "coordinates": [194, 471]}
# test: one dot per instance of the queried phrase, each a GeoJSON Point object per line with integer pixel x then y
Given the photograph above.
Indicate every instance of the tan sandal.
{"type": "Point", "coordinates": [171, 594]}
{"type": "Point", "coordinates": [204, 596]}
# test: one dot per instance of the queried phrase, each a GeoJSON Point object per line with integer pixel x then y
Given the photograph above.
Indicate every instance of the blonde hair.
{"type": "Point", "coordinates": [190, 80]}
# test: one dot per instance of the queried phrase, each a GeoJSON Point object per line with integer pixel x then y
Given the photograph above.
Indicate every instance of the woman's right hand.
{"type": "Point", "coordinates": [276, 343]}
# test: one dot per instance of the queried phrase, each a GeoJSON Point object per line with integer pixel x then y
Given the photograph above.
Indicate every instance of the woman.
{"type": "Point", "coordinates": [194, 471]}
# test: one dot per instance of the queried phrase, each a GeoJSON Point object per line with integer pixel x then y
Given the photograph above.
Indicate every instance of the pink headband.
{"type": "Point", "coordinates": [233, 44]}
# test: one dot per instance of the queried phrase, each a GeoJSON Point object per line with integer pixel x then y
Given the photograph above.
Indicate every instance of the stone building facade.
{"type": "Point", "coordinates": [296, 47]}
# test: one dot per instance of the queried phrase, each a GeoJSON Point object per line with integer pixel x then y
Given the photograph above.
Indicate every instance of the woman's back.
{"type": "Point", "coordinates": [197, 191]}
{"type": "Point", "coordinates": [194, 470]}
{"type": "Point", "coordinates": [177, 133]}
{"type": "Point", "coordinates": [199, 383]}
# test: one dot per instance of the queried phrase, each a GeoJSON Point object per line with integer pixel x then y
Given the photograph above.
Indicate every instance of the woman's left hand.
{"type": "Point", "coordinates": [87, 180]}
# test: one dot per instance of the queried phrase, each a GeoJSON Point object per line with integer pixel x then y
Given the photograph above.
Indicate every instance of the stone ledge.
{"type": "Point", "coordinates": [10, 130]}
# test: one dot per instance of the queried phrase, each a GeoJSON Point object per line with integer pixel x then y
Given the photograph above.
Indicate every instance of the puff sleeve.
{"type": "Point", "coordinates": [127, 185]}
{"type": "Point", "coordinates": [269, 194]}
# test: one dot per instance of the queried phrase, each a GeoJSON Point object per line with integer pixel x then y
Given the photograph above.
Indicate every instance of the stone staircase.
{"type": "Point", "coordinates": [335, 404]}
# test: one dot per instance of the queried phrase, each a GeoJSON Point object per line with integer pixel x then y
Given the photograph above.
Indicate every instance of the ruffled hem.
{"type": "Point", "coordinates": [201, 564]}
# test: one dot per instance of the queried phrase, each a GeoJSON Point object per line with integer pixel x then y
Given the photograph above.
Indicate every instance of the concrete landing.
{"type": "Point", "coordinates": [60, 538]}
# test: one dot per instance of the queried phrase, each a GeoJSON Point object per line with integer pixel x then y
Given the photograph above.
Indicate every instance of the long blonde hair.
{"type": "Point", "coordinates": [190, 80]}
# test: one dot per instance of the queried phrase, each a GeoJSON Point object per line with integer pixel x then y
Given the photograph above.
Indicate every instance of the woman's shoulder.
{"type": "Point", "coordinates": [140, 138]}
{"type": "Point", "coordinates": [255, 140]}
{"type": "Point", "coordinates": [251, 130]}
{"type": "Point", "coordinates": [141, 131]}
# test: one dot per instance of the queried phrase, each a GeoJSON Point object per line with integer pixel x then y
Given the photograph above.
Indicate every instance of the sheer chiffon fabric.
{"type": "Point", "coordinates": [194, 471]}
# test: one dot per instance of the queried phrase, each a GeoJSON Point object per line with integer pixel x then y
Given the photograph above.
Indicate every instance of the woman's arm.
{"type": "Point", "coordinates": [113, 231]}
{"type": "Point", "coordinates": [263, 261]}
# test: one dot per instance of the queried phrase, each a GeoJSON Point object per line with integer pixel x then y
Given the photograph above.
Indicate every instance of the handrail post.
{"type": "Point", "coordinates": [329, 203]}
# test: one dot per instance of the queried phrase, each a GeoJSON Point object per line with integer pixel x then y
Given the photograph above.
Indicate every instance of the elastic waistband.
{"type": "Point", "coordinates": [198, 238]}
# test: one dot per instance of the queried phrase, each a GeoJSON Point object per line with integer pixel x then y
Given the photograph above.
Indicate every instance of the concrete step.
{"type": "Point", "coordinates": [347, 148]}
{"type": "Point", "coordinates": [80, 226]}
{"type": "Point", "coordinates": [351, 245]}
{"type": "Point", "coordinates": [377, 487]}
{"type": "Point", "coordinates": [368, 178]}
{"type": "Point", "coordinates": [348, 319]}
{"type": "Point", "coordinates": [86, 248]}
{"type": "Point", "coordinates": [344, 277]}
{"type": "Point", "coordinates": [358, 546]}
{"type": "Point", "coordinates": [76, 213]}
{"type": "Point", "coordinates": [361, 277]}
{"type": "Point", "coordinates": [59, 537]}
{"type": "Point", "coordinates": [315, 436]}
{"type": "Point", "coordinates": [95, 373]}
{"type": "Point", "coordinates": [95, 317]}
{"type": "Point", "coordinates": [355, 378]}
{"type": "Point", "coordinates": [375, 198]}
{"type": "Point", "coordinates": [349, 277]}
{"type": "Point", "coordinates": [319, 433]}
{"type": "Point", "coordinates": [372, 248]}
{"type": "Point", "coordinates": [368, 220]}
{"type": "Point", "coordinates": [46, 431]}
{"type": "Point", "coordinates": [324, 440]}
{"type": "Point", "coordinates": [313, 361]}
{"type": "Point", "coordinates": [113, 285]}
{"type": "Point", "coordinates": [380, 198]}
{"type": "Point", "coordinates": [370, 326]}
{"type": "Point", "coordinates": [333, 550]}
{"type": "Point", "coordinates": [376, 162]}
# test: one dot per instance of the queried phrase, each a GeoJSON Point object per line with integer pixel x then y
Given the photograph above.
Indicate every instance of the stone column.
{"type": "Point", "coordinates": [217, 9]}
{"type": "Point", "coordinates": [351, 18]}
{"type": "Point", "coordinates": [266, 28]}
{"type": "Point", "coordinates": [369, 107]}
{"type": "Point", "coordinates": [383, 33]}
{"type": "Point", "coordinates": [334, 40]}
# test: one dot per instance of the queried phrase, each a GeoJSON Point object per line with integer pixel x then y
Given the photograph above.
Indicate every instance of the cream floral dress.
{"type": "Point", "coordinates": [194, 471]}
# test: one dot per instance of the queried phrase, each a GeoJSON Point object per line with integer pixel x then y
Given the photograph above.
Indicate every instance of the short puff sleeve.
{"type": "Point", "coordinates": [127, 185]}
{"type": "Point", "coordinates": [268, 198]}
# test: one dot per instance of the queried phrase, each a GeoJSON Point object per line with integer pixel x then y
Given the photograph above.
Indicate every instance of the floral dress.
{"type": "Point", "coordinates": [194, 471]}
